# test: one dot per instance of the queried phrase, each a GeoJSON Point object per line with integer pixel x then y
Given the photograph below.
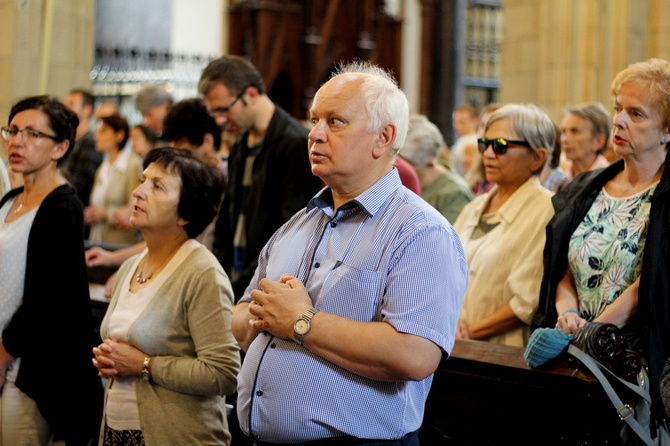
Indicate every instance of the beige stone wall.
{"type": "Point", "coordinates": [554, 52]}
{"type": "Point", "coordinates": [47, 46]}
{"type": "Point", "coordinates": [560, 52]}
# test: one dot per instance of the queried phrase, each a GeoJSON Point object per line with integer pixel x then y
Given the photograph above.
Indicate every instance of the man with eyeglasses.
{"type": "Point", "coordinates": [270, 177]}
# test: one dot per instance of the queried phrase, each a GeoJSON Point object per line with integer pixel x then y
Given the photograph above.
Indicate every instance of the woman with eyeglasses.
{"type": "Point", "coordinates": [607, 256]}
{"type": "Point", "coordinates": [502, 231]}
{"type": "Point", "coordinates": [48, 386]}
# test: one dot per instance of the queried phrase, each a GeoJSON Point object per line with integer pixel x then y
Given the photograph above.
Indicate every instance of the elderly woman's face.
{"type": "Point", "coordinates": [638, 125]}
{"type": "Point", "coordinates": [32, 149]}
{"type": "Point", "coordinates": [578, 142]}
{"type": "Point", "coordinates": [516, 166]}
{"type": "Point", "coordinates": [156, 201]}
{"type": "Point", "coordinates": [470, 156]}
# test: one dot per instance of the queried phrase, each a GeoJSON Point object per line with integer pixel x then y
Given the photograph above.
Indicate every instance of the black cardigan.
{"type": "Point", "coordinates": [52, 330]}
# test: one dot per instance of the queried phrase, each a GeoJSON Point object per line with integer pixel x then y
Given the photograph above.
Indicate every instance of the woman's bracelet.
{"type": "Point", "coordinates": [570, 310]}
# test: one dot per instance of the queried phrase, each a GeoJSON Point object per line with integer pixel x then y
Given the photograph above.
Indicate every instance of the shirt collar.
{"type": "Point", "coordinates": [515, 204]}
{"type": "Point", "coordinates": [370, 200]}
{"type": "Point", "coordinates": [121, 162]}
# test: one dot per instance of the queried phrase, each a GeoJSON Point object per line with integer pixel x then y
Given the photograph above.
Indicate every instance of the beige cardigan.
{"type": "Point", "coordinates": [186, 328]}
{"type": "Point", "coordinates": [118, 194]}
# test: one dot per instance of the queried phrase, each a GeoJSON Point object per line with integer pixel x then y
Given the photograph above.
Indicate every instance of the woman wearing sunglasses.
{"type": "Point", "coordinates": [502, 231]}
{"type": "Point", "coordinates": [607, 246]}
{"type": "Point", "coordinates": [48, 386]}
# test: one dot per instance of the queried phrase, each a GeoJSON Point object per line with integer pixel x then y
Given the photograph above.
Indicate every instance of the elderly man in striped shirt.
{"type": "Point", "coordinates": [355, 299]}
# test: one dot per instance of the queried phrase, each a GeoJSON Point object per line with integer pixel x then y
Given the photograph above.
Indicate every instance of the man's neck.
{"type": "Point", "coordinates": [430, 174]}
{"type": "Point", "coordinates": [82, 130]}
{"type": "Point", "coordinates": [265, 110]}
{"type": "Point", "coordinates": [344, 193]}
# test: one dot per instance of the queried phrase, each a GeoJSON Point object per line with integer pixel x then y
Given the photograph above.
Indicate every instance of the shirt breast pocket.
{"type": "Point", "coordinates": [352, 293]}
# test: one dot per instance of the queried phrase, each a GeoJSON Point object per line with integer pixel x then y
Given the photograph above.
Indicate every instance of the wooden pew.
{"type": "Point", "coordinates": [486, 394]}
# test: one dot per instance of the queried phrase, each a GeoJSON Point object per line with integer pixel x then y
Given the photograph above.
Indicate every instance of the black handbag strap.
{"type": "Point", "coordinates": [624, 411]}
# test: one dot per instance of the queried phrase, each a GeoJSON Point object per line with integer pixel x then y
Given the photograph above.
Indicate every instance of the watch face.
{"type": "Point", "coordinates": [301, 326]}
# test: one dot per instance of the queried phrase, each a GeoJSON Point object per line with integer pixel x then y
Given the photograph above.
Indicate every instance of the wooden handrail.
{"type": "Point", "coordinates": [511, 357]}
{"type": "Point", "coordinates": [486, 394]}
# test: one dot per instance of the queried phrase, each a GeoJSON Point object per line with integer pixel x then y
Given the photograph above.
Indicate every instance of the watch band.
{"type": "Point", "coordinates": [146, 373]}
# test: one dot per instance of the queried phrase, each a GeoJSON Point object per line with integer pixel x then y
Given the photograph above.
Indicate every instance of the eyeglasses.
{"type": "Point", "coordinates": [28, 134]}
{"type": "Point", "coordinates": [221, 110]}
{"type": "Point", "coordinates": [499, 145]}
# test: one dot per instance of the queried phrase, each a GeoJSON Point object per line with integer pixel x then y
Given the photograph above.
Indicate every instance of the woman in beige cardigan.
{"type": "Point", "coordinates": [115, 180]}
{"type": "Point", "coordinates": [502, 231]}
{"type": "Point", "coordinates": [168, 351]}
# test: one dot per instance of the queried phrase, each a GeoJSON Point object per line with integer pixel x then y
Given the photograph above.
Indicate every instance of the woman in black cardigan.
{"type": "Point", "coordinates": [50, 388]}
{"type": "Point", "coordinates": [641, 306]}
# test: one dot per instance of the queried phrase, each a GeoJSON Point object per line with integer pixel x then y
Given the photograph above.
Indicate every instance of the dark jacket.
{"type": "Point", "coordinates": [52, 330]}
{"type": "Point", "coordinates": [80, 166]}
{"type": "Point", "coordinates": [653, 313]}
{"type": "Point", "coordinates": [654, 293]}
{"type": "Point", "coordinates": [282, 184]}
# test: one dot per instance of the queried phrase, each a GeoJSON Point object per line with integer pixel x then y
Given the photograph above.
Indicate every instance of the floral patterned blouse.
{"type": "Point", "coordinates": [605, 252]}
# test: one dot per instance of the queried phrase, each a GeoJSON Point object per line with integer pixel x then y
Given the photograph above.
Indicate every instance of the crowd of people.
{"type": "Point", "coordinates": [311, 279]}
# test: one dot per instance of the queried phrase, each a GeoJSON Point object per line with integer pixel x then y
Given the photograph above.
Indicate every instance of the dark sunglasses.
{"type": "Point", "coordinates": [499, 145]}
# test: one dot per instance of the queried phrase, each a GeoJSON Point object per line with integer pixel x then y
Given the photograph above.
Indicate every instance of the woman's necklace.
{"type": "Point", "coordinates": [18, 209]}
{"type": "Point", "coordinates": [141, 279]}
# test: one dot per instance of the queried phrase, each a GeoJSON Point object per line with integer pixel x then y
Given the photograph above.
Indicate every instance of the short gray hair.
{"type": "Point", "coordinates": [385, 102]}
{"type": "Point", "coordinates": [531, 123]}
{"type": "Point", "coordinates": [424, 141]}
{"type": "Point", "coordinates": [598, 116]}
{"type": "Point", "coordinates": [151, 96]}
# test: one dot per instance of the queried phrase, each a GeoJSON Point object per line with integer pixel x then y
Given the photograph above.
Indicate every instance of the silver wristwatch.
{"type": "Point", "coordinates": [146, 374]}
{"type": "Point", "coordinates": [302, 325]}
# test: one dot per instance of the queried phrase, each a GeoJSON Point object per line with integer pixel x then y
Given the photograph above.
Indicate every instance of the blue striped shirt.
{"type": "Point", "coordinates": [385, 256]}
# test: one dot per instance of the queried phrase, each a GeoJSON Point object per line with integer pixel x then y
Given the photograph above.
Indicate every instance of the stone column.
{"type": "Point", "coordinates": [560, 52]}
{"type": "Point", "coordinates": [47, 47]}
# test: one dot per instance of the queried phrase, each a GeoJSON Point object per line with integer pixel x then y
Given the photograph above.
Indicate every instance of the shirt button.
{"type": "Point", "coordinates": [273, 345]}
{"type": "Point", "coordinates": [259, 393]}
{"type": "Point", "coordinates": [333, 224]}
{"type": "Point", "coordinates": [317, 264]}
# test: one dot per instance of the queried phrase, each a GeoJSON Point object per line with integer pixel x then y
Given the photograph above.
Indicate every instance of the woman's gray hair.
{"type": "Point", "coordinates": [598, 116]}
{"type": "Point", "coordinates": [385, 102]}
{"type": "Point", "coordinates": [424, 142]}
{"type": "Point", "coordinates": [531, 123]}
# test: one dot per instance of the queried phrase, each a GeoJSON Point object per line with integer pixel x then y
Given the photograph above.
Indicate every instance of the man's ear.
{"type": "Point", "coordinates": [385, 139]}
